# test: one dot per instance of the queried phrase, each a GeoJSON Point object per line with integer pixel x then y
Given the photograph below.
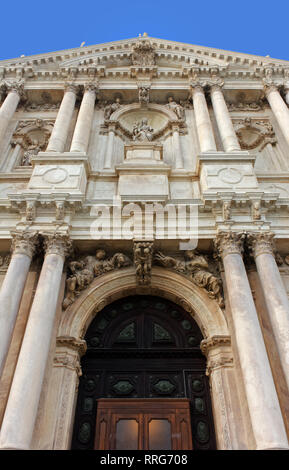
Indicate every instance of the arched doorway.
{"type": "Point", "coordinates": [143, 352]}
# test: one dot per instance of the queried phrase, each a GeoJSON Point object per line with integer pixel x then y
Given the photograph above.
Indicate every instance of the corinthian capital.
{"type": "Point", "coordinates": [58, 244]}
{"type": "Point", "coordinates": [228, 243]}
{"type": "Point", "coordinates": [92, 87]}
{"type": "Point", "coordinates": [196, 85]}
{"type": "Point", "coordinates": [16, 86]}
{"type": "Point", "coordinates": [269, 85]}
{"type": "Point", "coordinates": [260, 243]}
{"type": "Point", "coordinates": [215, 84]}
{"type": "Point", "coordinates": [71, 86]}
{"type": "Point", "coordinates": [24, 243]}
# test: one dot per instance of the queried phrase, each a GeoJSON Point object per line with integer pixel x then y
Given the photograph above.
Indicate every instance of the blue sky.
{"type": "Point", "coordinates": [254, 27]}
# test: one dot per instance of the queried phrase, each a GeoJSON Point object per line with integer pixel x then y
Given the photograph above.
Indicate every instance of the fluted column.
{"type": "Point", "coordinates": [266, 418]}
{"type": "Point", "coordinates": [21, 410]}
{"type": "Point", "coordinates": [61, 126]}
{"type": "Point", "coordinates": [279, 108]}
{"type": "Point", "coordinates": [229, 139]}
{"type": "Point", "coordinates": [84, 121]}
{"type": "Point", "coordinates": [274, 293]}
{"type": "Point", "coordinates": [23, 247]}
{"type": "Point", "coordinates": [14, 92]}
{"type": "Point", "coordinates": [203, 121]}
{"type": "Point", "coordinates": [177, 147]}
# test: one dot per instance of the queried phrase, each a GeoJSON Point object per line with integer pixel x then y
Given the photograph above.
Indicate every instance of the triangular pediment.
{"type": "Point", "coordinates": [118, 54]}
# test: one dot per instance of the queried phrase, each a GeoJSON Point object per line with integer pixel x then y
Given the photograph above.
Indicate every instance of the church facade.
{"type": "Point", "coordinates": [144, 256]}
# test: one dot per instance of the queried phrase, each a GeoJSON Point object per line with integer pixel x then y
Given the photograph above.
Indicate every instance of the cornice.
{"type": "Point", "coordinates": [162, 44]}
{"type": "Point", "coordinates": [99, 60]}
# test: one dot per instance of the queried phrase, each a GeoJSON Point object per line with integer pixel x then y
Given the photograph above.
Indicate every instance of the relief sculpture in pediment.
{"type": "Point", "coordinates": [143, 54]}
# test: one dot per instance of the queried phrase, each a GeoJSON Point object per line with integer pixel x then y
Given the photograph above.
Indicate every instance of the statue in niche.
{"type": "Point", "coordinates": [177, 108]}
{"type": "Point", "coordinates": [111, 108]}
{"type": "Point", "coordinates": [196, 267]}
{"type": "Point", "coordinates": [85, 270]}
{"type": "Point", "coordinates": [142, 131]}
{"type": "Point", "coordinates": [32, 149]}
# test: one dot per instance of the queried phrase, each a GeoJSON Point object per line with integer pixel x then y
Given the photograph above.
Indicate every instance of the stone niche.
{"type": "Point", "coordinates": [143, 174]}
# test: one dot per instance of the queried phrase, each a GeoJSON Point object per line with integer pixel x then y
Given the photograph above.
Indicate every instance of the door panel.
{"type": "Point", "coordinates": [143, 425]}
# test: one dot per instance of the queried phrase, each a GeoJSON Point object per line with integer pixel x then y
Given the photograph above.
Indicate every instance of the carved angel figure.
{"type": "Point", "coordinates": [111, 108]}
{"type": "Point", "coordinates": [32, 149]}
{"type": "Point", "coordinates": [142, 131]}
{"type": "Point", "coordinates": [85, 270]}
{"type": "Point", "coordinates": [196, 267]}
{"type": "Point", "coordinates": [177, 108]}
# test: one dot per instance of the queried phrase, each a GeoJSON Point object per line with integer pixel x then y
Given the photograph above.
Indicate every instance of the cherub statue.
{"type": "Point", "coordinates": [196, 267]}
{"type": "Point", "coordinates": [85, 270]}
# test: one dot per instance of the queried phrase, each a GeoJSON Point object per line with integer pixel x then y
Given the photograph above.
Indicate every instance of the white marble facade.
{"type": "Point", "coordinates": [127, 125]}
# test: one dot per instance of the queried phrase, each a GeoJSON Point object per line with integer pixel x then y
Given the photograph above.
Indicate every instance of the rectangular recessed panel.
{"type": "Point", "coordinates": [160, 434]}
{"type": "Point", "coordinates": [126, 437]}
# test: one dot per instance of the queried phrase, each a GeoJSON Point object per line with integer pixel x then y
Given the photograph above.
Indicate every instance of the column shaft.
{"type": "Point", "coordinates": [279, 108]}
{"type": "Point", "coordinates": [177, 149]}
{"type": "Point", "coordinates": [203, 121]}
{"type": "Point", "coordinates": [21, 410]}
{"type": "Point", "coordinates": [264, 408]}
{"type": "Point", "coordinates": [275, 296]}
{"type": "Point", "coordinates": [60, 130]}
{"type": "Point", "coordinates": [225, 126]}
{"type": "Point", "coordinates": [7, 110]}
{"type": "Point", "coordinates": [84, 121]}
{"type": "Point", "coordinates": [109, 150]}
{"type": "Point", "coordinates": [12, 289]}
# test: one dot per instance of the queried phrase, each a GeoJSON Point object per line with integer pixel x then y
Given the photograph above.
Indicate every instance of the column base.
{"type": "Point", "coordinates": [273, 447]}
{"type": "Point", "coordinates": [13, 447]}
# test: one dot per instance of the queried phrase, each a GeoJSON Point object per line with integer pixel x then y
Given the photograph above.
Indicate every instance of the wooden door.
{"type": "Point", "coordinates": [143, 348]}
{"type": "Point", "coordinates": [143, 425]}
